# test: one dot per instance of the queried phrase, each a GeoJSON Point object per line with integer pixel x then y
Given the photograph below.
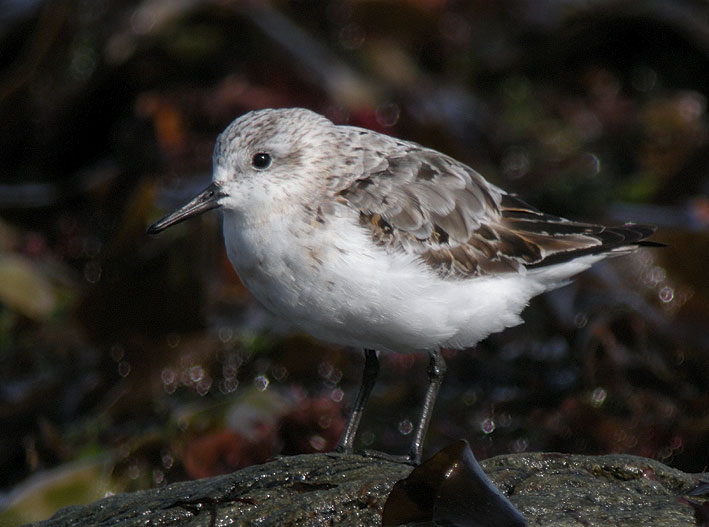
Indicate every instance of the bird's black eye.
{"type": "Point", "coordinates": [261, 160]}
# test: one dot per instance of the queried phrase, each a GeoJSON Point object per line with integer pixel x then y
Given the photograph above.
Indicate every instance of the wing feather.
{"type": "Point", "coordinates": [418, 200]}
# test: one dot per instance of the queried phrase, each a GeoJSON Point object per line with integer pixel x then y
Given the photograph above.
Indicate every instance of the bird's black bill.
{"type": "Point", "coordinates": [208, 199]}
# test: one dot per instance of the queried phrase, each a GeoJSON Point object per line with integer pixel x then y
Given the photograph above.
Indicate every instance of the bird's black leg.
{"type": "Point", "coordinates": [369, 377]}
{"type": "Point", "coordinates": [436, 371]}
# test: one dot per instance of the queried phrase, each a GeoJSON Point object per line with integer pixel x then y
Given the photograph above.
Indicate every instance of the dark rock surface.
{"type": "Point", "coordinates": [556, 490]}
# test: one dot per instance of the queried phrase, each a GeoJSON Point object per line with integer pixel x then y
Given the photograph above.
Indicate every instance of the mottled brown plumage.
{"type": "Point", "coordinates": [418, 200]}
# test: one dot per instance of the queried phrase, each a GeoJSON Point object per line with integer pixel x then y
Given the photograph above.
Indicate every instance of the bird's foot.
{"type": "Point", "coordinates": [343, 449]}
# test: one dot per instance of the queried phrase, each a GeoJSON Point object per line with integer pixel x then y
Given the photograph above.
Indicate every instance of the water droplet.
{"type": "Point", "coordinates": [168, 376]}
{"type": "Point", "coordinates": [664, 453]}
{"type": "Point", "coordinates": [325, 369]}
{"type": "Point", "coordinates": [520, 444]}
{"type": "Point", "coordinates": [504, 420]}
{"type": "Point", "coordinates": [280, 372]}
{"type": "Point", "coordinates": [337, 395]}
{"type": "Point", "coordinates": [405, 427]}
{"type": "Point", "coordinates": [167, 460]}
{"type": "Point", "coordinates": [225, 334]}
{"type": "Point", "coordinates": [91, 246]}
{"type": "Point", "coordinates": [204, 385]}
{"type": "Point", "coordinates": [124, 368]}
{"type": "Point", "coordinates": [691, 105]}
{"type": "Point", "coordinates": [591, 162]}
{"type": "Point", "coordinates": [317, 442]}
{"type": "Point", "coordinates": [367, 437]}
{"type": "Point", "coordinates": [580, 320]}
{"type": "Point", "coordinates": [261, 383]}
{"type": "Point", "coordinates": [387, 114]}
{"type": "Point", "coordinates": [487, 425]}
{"type": "Point", "coordinates": [228, 385]}
{"type": "Point", "coordinates": [229, 370]}
{"type": "Point", "coordinates": [134, 471]}
{"type": "Point", "coordinates": [598, 397]}
{"type": "Point", "coordinates": [196, 373]}
{"type": "Point", "coordinates": [158, 476]}
{"type": "Point", "coordinates": [658, 274]}
{"type": "Point", "coordinates": [324, 421]}
{"type": "Point", "coordinates": [92, 271]}
{"type": "Point", "coordinates": [335, 376]}
{"type": "Point", "coordinates": [117, 352]}
{"type": "Point", "coordinates": [667, 294]}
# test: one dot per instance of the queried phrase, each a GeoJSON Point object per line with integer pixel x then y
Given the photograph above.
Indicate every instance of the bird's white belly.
{"type": "Point", "coordinates": [339, 286]}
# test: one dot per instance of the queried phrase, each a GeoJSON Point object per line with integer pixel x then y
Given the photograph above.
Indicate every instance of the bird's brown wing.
{"type": "Point", "coordinates": [420, 201]}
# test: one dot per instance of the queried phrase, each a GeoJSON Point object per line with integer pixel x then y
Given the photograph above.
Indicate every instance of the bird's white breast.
{"type": "Point", "coordinates": [335, 283]}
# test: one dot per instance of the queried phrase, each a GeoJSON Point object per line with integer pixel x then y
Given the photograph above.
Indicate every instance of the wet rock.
{"type": "Point", "coordinates": [556, 490]}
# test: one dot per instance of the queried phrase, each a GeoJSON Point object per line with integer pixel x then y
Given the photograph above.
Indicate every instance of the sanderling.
{"type": "Point", "coordinates": [366, 240]}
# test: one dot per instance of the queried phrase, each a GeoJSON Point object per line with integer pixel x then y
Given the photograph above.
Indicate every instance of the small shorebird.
{"type": "Point", "coordinates": [366, 240]}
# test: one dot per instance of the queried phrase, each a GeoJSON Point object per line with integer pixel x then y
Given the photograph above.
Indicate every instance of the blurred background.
{"type": "Point", "coordinates": [129, 362]}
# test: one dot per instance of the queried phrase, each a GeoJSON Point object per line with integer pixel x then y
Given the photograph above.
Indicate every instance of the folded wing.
{"type": "Point", "coordinates": [420, 201]}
